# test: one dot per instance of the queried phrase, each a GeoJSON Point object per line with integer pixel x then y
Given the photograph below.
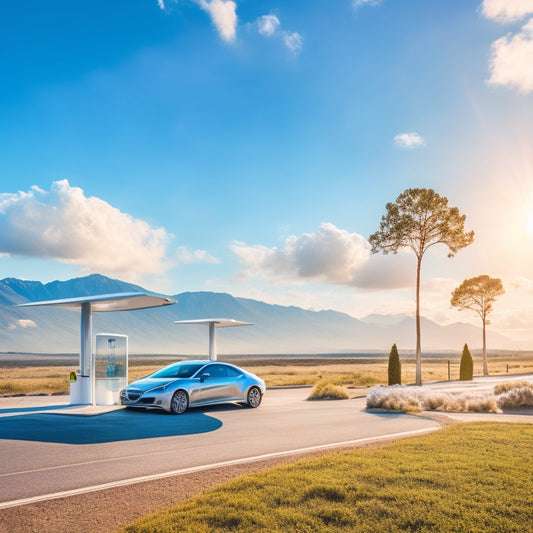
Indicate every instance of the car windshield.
{"type": "Point", "coordinates": [178, 370]}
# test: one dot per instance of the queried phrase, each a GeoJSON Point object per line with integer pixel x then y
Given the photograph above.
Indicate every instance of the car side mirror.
{"type": "Point", "coordinates": [205, 376]}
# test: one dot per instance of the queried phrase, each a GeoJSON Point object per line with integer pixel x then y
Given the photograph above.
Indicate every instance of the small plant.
{"type": "Point", "coordinates": [395, 367]}
{"type": "Point", "coordinates": [326, 390]}
{"type": "Point", "coordinates": [466, 368]}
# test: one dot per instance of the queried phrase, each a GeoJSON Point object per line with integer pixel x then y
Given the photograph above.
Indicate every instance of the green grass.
{"type": "Point", "coordinates": [468, 478]}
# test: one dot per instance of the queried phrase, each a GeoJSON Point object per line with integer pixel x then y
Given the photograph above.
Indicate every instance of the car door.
{"type": "Point", "coordinates": [217, 386]}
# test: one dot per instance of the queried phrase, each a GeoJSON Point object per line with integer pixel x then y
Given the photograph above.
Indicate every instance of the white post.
{"type": "Point", "coordinates": [212, 342]}
{"type": "Point", "coordinates": [86, 354]}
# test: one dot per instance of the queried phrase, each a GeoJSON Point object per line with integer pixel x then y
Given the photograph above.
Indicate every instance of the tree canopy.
{"type": "Point", "coordinates": [477, 294]}
{"type": "Point", "coordinates": [419, 219]}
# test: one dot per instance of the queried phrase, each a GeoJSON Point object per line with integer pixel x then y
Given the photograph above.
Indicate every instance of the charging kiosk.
{"type": "Point", "coordinates": [110, 367]}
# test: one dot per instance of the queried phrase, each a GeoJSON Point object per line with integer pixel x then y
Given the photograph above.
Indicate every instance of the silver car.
{"type": "Point", "coordinates": [176, 387]}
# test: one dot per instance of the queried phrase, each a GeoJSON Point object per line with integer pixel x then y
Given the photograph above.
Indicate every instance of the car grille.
{"type": "Point", "coordinates": [133, 395]}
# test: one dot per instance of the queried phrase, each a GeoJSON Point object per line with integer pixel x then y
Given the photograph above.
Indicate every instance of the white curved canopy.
{"type": "Point", "coordinates": [122, 301]}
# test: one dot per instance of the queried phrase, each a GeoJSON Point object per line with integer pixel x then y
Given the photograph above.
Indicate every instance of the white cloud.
{"type": "Point", "coordinates": [26, 323]}
{"type": "Point", "coordinates": [356, 4]}
{"type": "Point", "coordinates": [22, 323]}
{"type": "Point", "coordinates": [223, 14]}
{"type": "Point", "coordinates": [331, 255]}
{"type": "Point", "coordinates": [186, 256]}
{"type": "Point", "coordinates": [161, 4]}
{"type": "Point", "coordinates": [507, 10]}
{"type": "Point", "coordinates": [511, 62]}
{"type": "Point", "coordinates": [293, 41]}
{"type": "Point", "coordinates": [268, 25]}
{"type": "Point", "coordinates": [66, 226]}
{"type": "Point", "coordinates": [409, 140]}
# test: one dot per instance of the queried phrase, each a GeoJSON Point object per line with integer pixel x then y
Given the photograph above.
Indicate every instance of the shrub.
{"type": "Point", "coordinates": [514, 395]}
{"type": "Point", "coordinates": [326, 390]}
{"type": "Point", "coordinates": [395, 367]}
{"type": "Point", "coordinates": [466, 368]}
{"type": "Point", "coordinates": [415, 399]}
{"type": "Point", "coordinates": [506, 386]}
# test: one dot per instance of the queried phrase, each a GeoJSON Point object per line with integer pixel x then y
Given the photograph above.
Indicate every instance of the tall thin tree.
{"type": "Point", "coordinates": [419, 219]}
{"type": "Point", "coordinates": [478, 294]}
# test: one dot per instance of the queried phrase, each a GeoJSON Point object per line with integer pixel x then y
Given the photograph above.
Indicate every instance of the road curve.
{"type": "Point", "coordinates": [47, 455]}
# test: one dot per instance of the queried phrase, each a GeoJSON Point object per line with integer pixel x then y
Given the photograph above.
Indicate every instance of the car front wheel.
{"type": "Point", "coordinates": [254, 397]}
{"type": "Point", "coordinates": [179, 402]}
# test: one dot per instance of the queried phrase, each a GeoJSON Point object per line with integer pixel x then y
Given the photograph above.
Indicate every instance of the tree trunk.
{"type": "Point", "coordinates": [485, 365]}
{"type": "Point", "coordinates": [418, 343]}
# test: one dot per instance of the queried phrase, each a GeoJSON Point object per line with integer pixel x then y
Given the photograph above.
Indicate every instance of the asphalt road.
{"type": "Point", "coordinates": [46, 452]}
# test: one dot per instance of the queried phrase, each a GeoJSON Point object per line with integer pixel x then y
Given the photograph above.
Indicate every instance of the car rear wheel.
{"type": "Point", "coordinates": [254, 397]}
{"type": "Point", "coordinates": [179, 402]}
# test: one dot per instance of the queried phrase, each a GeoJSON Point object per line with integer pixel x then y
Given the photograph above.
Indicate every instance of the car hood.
{"type": "Point", "coordinates": [145, 384]}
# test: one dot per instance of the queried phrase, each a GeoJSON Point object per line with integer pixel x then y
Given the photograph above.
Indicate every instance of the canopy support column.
{"type": "Point", "coordinates": [212, 342]}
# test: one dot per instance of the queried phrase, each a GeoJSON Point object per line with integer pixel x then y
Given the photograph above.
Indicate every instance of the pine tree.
{"type": "Point", "coordinates": [466, 369]}
{"type": "Point", "coordinates": [395, 367]}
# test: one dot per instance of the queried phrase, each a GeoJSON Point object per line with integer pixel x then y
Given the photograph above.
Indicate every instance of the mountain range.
{"type": "Point", "coordinates": [277, 329]}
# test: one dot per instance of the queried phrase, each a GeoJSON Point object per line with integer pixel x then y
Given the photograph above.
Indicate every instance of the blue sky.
{"type": "Point", "coordinates": [250, 147]}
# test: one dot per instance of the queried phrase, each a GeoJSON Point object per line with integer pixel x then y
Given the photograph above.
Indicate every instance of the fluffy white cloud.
{"type": "Point", "coordinates": [409, 140]}
{"type": "Point", "coordinates": [507, 10]}
{"type": "Point", "coordinates": [331, 255]}
{"type": "Point", "coordinates": [23, 323]}
{"type": "Point", "coordinates": [268, 25]}
{"type": "Point", "coordinates": [66, 226]}
{"type": "Point", "coordinates": [161, 4]}
{"type": "Point", "coordinates": [511, 62]}
{"type": "Point", "coordinates": [223, 13]}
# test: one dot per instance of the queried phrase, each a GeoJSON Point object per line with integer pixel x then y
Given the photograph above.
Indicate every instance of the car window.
{"type": "Point", "coordinates": [180, 370]}
{"type": "Point", "coordinates": [233, 372]}
{"type": "Point", "coordinates": [217, 371]}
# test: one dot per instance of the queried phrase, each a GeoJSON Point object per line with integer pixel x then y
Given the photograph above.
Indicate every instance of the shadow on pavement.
{"type": "Point", "coordinates": [121, 425]}
{"type": "Point", "coordinates": [39, 409]}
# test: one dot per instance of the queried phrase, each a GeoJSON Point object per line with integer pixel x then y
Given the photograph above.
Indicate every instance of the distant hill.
{"type": "Point", "coordinates": [277, 330]}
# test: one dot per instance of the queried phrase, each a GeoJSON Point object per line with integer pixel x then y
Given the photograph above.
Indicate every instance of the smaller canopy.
{"type": "Point", "coordinates": [122, 301]}
{"type": "Point", "coordinates": [216, 322]}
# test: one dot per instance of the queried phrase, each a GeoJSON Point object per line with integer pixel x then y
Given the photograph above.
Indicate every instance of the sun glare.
{"type": "Point", "coordinates": [529, 221]}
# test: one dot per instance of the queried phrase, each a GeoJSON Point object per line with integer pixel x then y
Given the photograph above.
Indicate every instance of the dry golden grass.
{"type": "Point", "coordinates": [47, 378]}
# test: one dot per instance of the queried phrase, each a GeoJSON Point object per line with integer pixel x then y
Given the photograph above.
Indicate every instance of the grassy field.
{"type": "Point", "coordinates": [474, 477]}
{"type": "Point", "coordinates": [46, 377]}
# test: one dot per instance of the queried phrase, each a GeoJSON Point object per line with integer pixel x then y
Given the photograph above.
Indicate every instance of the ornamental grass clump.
{"type": "Point", "coordinates": [506, 386]}
{"type": "Point", "coordinates": [326, 390]}
{"type": "Point", "coordinates": [416, 399]}
{"type": "Point", "coordinates": [395, 398]}
{"type": "Point", "coordinates": [514, 395]}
